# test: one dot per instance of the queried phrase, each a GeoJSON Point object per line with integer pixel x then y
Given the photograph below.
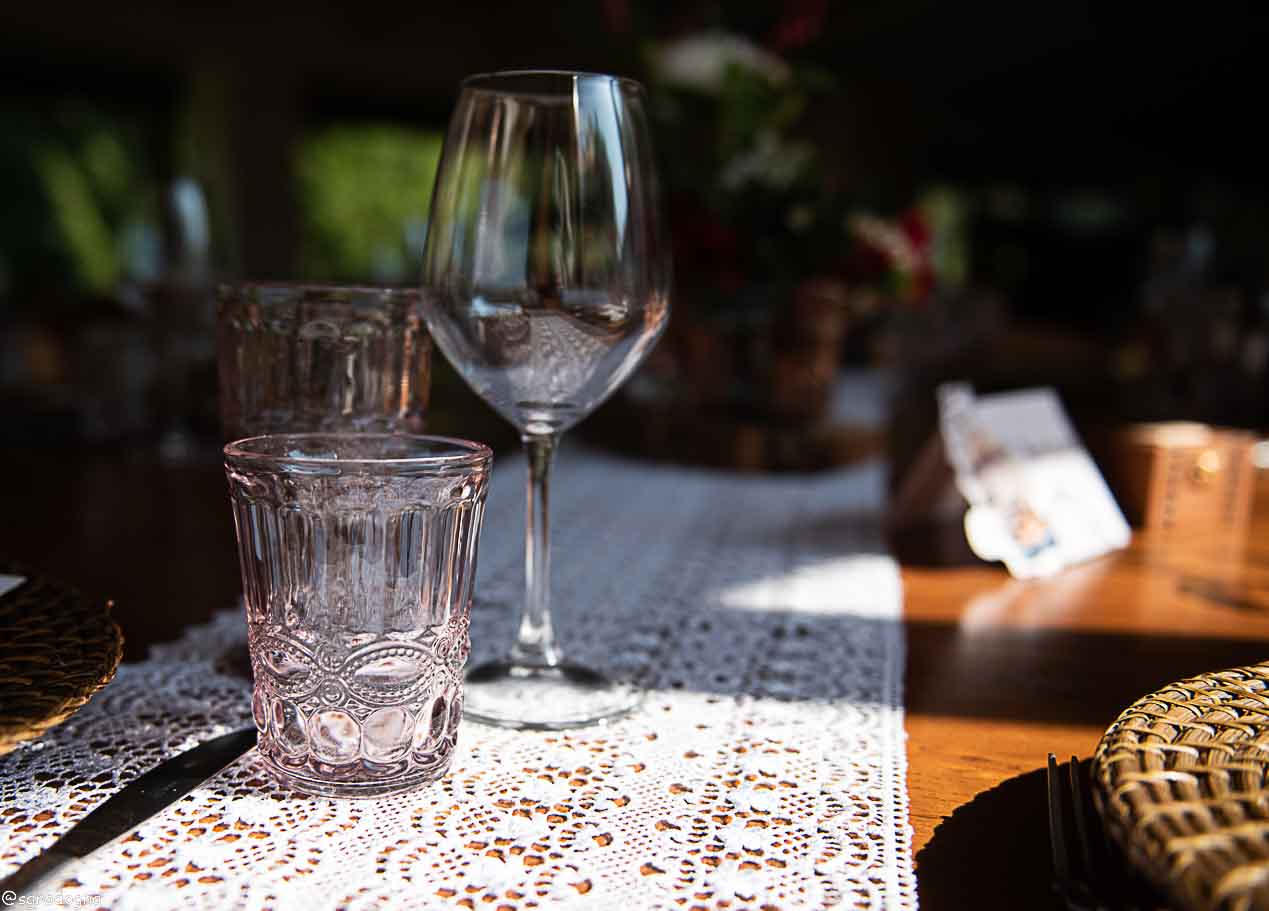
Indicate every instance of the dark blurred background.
{"type": "Point", "coordinates": [866, 199]}
{"type": "Point", "coordinates": [1069, 193]}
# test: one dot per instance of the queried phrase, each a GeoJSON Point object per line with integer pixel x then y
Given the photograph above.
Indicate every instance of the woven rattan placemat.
{"type": "Point", "coordinates": [1182, 785]}
{"type": "Point", "coordinates": [56, 649]}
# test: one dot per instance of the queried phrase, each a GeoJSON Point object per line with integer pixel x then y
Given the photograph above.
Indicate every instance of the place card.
{"type": "Point", "coordinates": [1037, 502]}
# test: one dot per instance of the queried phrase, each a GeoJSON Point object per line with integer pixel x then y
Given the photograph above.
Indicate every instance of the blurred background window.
{"type": "Point", "coordinates": [80, 212]}
{"type": "Point", "coordinates": [1063, 193]}
{"type": "Point", "coordinates": [364, 192]}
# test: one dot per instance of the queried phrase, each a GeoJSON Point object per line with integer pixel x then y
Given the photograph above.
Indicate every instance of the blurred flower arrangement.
{"type": "Point", "coordinates": [760, 189]}
{"type": "Point", "coordinates": [773, 261]}
{"type": "Point", "coordinates": [910, 260]}
{"type": "Point", "coordinates": [755, 199]}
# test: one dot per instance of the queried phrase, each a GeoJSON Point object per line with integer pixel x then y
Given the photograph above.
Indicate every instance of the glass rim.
{"type": "Point", "coordinates": [468, 454]}
{"type": "Point", "coordinates": [472, 82]}
{"type": "Point", "coordinates": [302, 287]}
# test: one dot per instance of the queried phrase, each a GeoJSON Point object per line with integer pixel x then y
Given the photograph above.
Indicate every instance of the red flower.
{"type": "Point", "coordinates": [801, 23]}
{"type": "Point", "coordinates": [914, 226]}
{"type": "Point", "coordinates": [705, 246]}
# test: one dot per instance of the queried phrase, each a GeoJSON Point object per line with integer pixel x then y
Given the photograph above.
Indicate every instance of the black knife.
{"type": "Point", "coordinates": [140, 799]}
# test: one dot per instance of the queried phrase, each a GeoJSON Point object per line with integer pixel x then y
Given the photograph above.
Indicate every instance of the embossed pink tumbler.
{"type": "Point", "coordinates": [358, 556]}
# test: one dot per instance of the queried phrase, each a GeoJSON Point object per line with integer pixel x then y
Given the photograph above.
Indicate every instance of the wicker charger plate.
{"type": "Point", "coordinates": [56, 650]}
{"type": "Point", "coordinates": [1183, 785]}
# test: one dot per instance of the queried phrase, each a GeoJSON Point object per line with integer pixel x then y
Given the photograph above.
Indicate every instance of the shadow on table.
{"type": "Point", "coordinates": [995, 852]}
{"type": "Point", "coordinates": [1008, 660]}
{"type": "Point", "coordinates": [992, 852]}
{"type": "Point", "coordinates": [844, 533]}
{"type": "Point", "coordinates": [1051, 675]}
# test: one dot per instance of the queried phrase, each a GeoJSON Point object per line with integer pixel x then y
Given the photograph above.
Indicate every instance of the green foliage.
{"type": "Point", "coordinates": [76, 181]}
{"type": "Point", "coordinates": [81, 221]}
{"type": "Point", "coordinates": [364, 195]}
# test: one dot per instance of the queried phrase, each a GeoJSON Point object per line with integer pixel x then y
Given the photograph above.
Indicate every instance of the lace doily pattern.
{"type": "Point", "coordinates": [765, 769]}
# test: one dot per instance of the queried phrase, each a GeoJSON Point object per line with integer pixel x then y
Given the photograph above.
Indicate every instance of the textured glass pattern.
{"type": "Point", "coordinates": [358, 555]}
{"type": "Point", "coordinates": [296, 358]}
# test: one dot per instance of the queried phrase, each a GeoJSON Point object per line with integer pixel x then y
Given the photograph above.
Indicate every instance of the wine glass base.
{"type": "Point", "coordinates": [509, 695]}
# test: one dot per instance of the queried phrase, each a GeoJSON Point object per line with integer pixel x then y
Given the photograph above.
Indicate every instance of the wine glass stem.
{"type": "Point", "coordinates": [535, 643]}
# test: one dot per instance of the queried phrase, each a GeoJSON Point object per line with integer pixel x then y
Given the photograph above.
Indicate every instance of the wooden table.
{"type": "Point", "coordinates": [999, 672]}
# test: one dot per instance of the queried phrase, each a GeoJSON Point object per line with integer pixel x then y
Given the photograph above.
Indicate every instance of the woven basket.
{"type": "Point", "coordinates": [56, 650]}
{"type": "Point", "coordinates": [1183, 785]}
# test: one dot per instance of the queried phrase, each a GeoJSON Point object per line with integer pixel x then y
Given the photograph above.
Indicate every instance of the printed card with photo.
{"type": "Point", "coordinates": [1037, 502]}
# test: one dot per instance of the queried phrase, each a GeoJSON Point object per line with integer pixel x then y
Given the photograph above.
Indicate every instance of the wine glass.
{"type": "Point", "coordinates": [546, 281]}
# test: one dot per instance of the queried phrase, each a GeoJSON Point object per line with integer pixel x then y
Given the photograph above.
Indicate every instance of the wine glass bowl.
{"type": "Point", "coordinates": [546, 280]}
{"type": "Point", "coordinates": [545, 272]}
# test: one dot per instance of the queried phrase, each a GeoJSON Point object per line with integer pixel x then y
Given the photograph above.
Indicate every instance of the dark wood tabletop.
{"type": "Point", "coordinates": [999, 672]}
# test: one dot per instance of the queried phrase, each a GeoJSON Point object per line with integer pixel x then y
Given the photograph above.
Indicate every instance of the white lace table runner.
{"type": "Point", "coordinates": [766, 769]}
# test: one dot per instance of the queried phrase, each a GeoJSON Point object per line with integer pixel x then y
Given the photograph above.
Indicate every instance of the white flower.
{"type": "Point", "coordinates": [769, 162]}
{"type": "Point", "coordinates": [887, 237]}
{"type": "Point", "coordinates": [700, 61]}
